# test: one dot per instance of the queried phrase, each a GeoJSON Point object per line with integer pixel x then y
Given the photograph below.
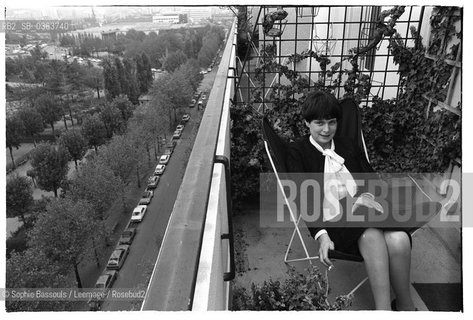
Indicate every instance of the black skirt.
{"type": "Point", "coordinates": [346, 239]}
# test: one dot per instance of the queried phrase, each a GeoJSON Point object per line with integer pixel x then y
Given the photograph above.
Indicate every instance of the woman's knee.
{"type": "Point", "coordinates": [397, 241]}
{"type": "Point", "coordinates": [371, 238]}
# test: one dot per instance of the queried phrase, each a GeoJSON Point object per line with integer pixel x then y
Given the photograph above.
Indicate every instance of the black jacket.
{"type": "Point", "coordinates": [303, 157]}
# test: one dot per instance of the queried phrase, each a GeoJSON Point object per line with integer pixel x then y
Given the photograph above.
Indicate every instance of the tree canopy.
{"type": "Point", "coordinates": [75, 144]}
{"type": "Point", "coordinates": [50, 164]}
{"type": "Point", "coordinates": [32, 122]}
{"type": "Point", "coordinates": [19, 197]}
{"type": "Point", "coordinates": [93, 130]}
{"type": "Point", "coordinates": [97, 184]}
{"type": "Point", "coordinates": [63, 232]}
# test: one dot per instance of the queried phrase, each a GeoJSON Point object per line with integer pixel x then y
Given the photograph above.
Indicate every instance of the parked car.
{"type": "Point", "coordinates": [159, 169]}
{"type": "Point", "coordinates": [171, 144]}
{"type": "Point", "coordinates": [139, 213]}
{"type": "Point", "coordinates": [168, 151]}
{"type": "Point", "coordinates": [192, 103]}
{"type": "Point", "coordinates": [104, 282]}
{"type": "Point", "coordinates": [186, 117]}
{"type": "Point", "coordinates": [127, 236]}
{"type": "Point", "coordinates": [146, 197]}
{"type": "Point", "coordinates": [177, 134]}
{"type": "Point", "coordinates": [209, 69]}
{"type": "Point", "coordinates": [153, 182]}
{"type": "Point", "coordinates": [180, 127]}
{"type": "Point", "coordinates": [117, 259]}
{"type": "Point", "coordinates": [164, 159]}
{"type": "Point", "coordinates": [200, 104]}
{"type": "Point", "coordinates": [106, 279]}
{"type": "Point", "coordinates": [204, 97]}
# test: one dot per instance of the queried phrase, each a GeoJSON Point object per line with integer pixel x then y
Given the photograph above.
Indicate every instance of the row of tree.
{"type": "Point", "coordinates": [95, 129]}
{"type": "Point", "coordinates": [59, 94]}
{"type": "Point", "coordinates": [131, 77]}
{"type": "Point", "coordinates": [190, 42]}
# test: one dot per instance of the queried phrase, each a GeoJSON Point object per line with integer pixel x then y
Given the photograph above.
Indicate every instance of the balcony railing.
{"type": "Point", "coordinates": [194, 260]}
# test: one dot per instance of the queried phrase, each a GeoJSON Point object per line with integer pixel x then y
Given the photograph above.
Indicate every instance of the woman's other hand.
{"type": "Point", "coordinates": [325, 244]}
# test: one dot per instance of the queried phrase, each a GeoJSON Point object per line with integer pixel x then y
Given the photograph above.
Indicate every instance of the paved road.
{"type": "Point", "coordinates": [136, 271]}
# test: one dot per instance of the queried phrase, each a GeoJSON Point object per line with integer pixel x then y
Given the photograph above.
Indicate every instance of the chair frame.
{"type": "Point", "coordinates": [307, 257]}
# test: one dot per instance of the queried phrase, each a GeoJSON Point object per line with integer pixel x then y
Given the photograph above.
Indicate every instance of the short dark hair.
{"type": "Point", "coordinates": [320, 105]}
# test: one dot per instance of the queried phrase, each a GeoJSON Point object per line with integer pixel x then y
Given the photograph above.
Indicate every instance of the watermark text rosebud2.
{"type": "Point", "coordinates": [400, 200]}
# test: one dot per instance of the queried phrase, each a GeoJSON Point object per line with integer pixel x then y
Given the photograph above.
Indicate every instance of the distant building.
{"type": "Point", "coordinates": [166, 18]}
{"type": "Point", "coordinates": [109, 35]}
{"type": "Point", "coordinates": [145, 98]}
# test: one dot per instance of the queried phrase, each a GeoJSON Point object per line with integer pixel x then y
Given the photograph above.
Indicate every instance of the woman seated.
{"type": "Point", "coordinates": [386, 252]}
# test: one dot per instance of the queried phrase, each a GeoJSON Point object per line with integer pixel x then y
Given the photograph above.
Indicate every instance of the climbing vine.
{"type": "Point", "coordinates": [408, 134]}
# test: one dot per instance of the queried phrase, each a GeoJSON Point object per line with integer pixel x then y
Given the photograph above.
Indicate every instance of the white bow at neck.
{"type": "Point", "coordinates": [334, 167]}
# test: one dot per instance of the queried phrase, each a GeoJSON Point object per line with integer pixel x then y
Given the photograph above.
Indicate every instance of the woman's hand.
{"type": "Point", "coordinates": [325, 244]}
{"type": "Point", "coordinates": [367, 200]}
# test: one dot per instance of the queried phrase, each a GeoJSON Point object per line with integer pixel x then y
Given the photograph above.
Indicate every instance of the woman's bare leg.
{"type": "Point", "coordinates": [373, 248]}
{"type": "Point", "coordinates": [399, 249]}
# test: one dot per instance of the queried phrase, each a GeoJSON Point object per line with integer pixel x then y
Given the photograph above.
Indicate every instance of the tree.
{"type": "Point", "coordinates": [132, 34]}
{"type": "Point", "coordinates": [174, 90]}
{"type": "Point", "coordinates": [170, 40]}
{"type": "Point", "coordinates": [143, 72]}
{"type": "Point", "coordinates": [174, 60]}
{"type": "Point", "coordinates": [51, 166]}
{"type": "Point", "coordinates": [49, 108]}
{"type": "Point", "coordinates": [14, 131]}
{"type": "Point", "coordinates": [64, 232]}
{"type": "Point", "coordinates": [148, 74]}
{"type": "Point", "coordinates": [32, 269]}
{"type": "Point", "coordinates": [122, 80]}
{"type": "Point", "coordinates": [94, 80]}
{"type": "Point", "coordinates": [208, 51]}
{"type": "Point", "coordinates": [55, 77]}
{"type": "Point", "coordinates": [32, 122]}
{"type": "Point", "coordinates": [97, 184]}
{"type": "Point", "coordinates": [191, 72]}
{"type": "Point", "coordinates": [133, 91]}
{"type": "Point", "coordinates": [19, 197]}
{"type": "Point", "coordinates": [111, 80]}
{"type": "Point", "coordinates": [93, 130]}
{"type": "Point", "coordinates": [152, 119]}
{"type": "Point", "coordinates": [41, 71]}
{"type": "Point", "coordinates": [121, 156]}
{"type": "Point", "coordinates": [74, 143]}
{"type": "Point", "coordinates": [137, 131]}
{"type": "Point", "coordinates": [74, 77]}
{"type": "Point", "coordinates": [140, 74]}
{"type": "Point", "coordinates": [210, 44]}
{"type": "Point", "coordinates": [112, 119]}
{"type": "Point", "coordinates": [124, 105]}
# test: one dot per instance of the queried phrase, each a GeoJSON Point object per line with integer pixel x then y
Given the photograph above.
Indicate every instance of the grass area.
{"type": "Point", "coordinates": [18, 153]}
{"type": "Point", "coordinates": [27, 147]}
